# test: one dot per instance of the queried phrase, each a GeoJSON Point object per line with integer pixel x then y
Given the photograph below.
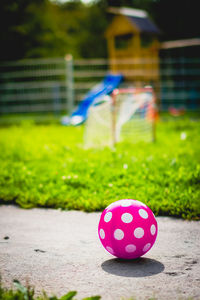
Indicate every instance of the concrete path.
{"type": "Point", "coordinates": [58, 251]}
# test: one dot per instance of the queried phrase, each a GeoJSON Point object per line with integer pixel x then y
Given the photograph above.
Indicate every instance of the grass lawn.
{"type": "Point", "coordinates": [46, 166]}
{"type": "Point", "coordinates": [27, 293]}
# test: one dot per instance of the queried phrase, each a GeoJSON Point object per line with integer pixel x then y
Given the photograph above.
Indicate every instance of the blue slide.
{"type": "Point", "coordinates": [106, 87]}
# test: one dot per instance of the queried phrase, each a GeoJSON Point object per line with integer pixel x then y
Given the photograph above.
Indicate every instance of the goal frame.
{"type": "Point", "coordinates": [136, 90]}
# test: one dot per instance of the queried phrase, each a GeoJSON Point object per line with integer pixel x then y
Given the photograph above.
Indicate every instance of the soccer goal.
{"type": "Point", "coordinates": [126, 115]}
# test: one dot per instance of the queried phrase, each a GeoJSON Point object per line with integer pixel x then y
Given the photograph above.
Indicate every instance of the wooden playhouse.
{"type": "Point", "coordinates": [133, 46]}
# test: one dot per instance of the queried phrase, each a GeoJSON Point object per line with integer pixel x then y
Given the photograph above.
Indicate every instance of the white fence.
{"type": "Point", "coordinates": [38, 85]}
{"type": "Point", "coordinates": [179, 83]}
{"type": "Point", "coordinates": [56, 85]}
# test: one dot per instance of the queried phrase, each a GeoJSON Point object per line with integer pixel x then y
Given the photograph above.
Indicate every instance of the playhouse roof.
{"type": "Point", "coordinates": [137, 17]}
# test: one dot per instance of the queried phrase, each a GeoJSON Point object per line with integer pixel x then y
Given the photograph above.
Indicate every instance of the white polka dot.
{"type": "Point", "coordinates": [139, 232]}
{"type": "Point", "coordinates": [143, 213]}
{"type": "Point", "coordinates": [102, 234]}
{"type": "Point", "coordinates": [127, 218]}
{"type": "Point", "coordinates": [118, 234]}
{"type": "Point", "coordinates": [146, 247]}
{"type": "Point", "coordinates": [108, 216]}
{"type": "Point", "coordinates": [153, 229]}
{"type": "Point", "coordinates": [141, 203]}
{"type": "Point", "coordinates": [126, 202]}
{"type": "Point", "coordinates": [110, 250]}
{"type": "Point", "coordinates": [130, 248]}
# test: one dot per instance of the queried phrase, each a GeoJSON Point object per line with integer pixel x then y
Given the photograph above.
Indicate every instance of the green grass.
{"type": "Point", "coordinates": [46, 166]}
{"type": "Point", "coordinates": [27, 293]}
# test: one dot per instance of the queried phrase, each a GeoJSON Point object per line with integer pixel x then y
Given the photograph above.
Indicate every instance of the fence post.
{"type": "Point", "coordinates": [69, 83]}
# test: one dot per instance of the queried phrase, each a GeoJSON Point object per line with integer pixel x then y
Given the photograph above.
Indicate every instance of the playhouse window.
{"type": "Point", "coordinates": [123, 41]}
{"type": "Point", "coordinates": [146, 40]}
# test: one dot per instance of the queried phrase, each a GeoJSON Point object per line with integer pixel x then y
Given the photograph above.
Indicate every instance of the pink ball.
{"type": "Point", "coordinates": [127, 228]}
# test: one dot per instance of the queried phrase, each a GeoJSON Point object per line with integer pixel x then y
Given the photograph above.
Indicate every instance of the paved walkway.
{"type": "Point", "coordinates": [58, 251]}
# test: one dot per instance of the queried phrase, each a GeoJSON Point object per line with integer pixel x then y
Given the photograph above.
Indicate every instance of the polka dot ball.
{"type": "Point", "coordinates": [127, 228]}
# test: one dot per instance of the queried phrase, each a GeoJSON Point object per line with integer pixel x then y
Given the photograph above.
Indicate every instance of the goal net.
{"type": "Point", "coordinates": [126, 115]}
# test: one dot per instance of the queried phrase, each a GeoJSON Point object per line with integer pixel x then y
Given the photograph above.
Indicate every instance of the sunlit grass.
{"type": "Point", "coordinates": [27, 293]}
{"type": "Point", "coordinates": [47, 166]}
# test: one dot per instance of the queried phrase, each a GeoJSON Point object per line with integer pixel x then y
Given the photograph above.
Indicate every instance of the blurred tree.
{"type": "Point", "coordinates": [71, 21]}
{"type": "Point", "coordinates": [41, 28]}
{"type": "Point", "coordinates": [92, 41]}
{"type": "Point", "coordinates": [84, 26]}
{"type": "Point", "coordinates": [28, 29]}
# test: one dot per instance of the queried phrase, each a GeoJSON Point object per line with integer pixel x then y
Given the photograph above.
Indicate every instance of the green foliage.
{"type": "Point", "coordinates": [27, 293]}
{"type": "Point", "coordinates": [28, 29]}
{"type": "Point", "coordinates": [46, 166]}
{"type": "Point", "coordinates": [44, 28]}
{"type": "Point", "coordinates": [68, 296]}
{"type": "Point", "coordinates": [33, 28]}
{"type": "Point", "coordinates": [91, 41]}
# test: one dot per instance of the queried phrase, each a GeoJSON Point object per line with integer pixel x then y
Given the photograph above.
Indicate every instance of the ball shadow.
{"type": "Point", "coordinates": [140, 267]}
